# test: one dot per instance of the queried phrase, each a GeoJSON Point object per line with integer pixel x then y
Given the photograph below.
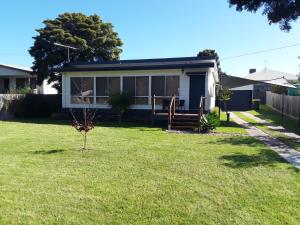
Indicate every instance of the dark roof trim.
{"type": "Point", "coordinates": [16, 68]}
{"type": "Point", "coordinates": [195, 73]}
{"type": "Point", "coordinates": [158, 60]}
{"type": "Point", "coordinates": [138, 67]}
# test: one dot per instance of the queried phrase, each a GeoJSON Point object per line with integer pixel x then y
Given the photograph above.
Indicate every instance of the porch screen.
{"type": "Point", "coordinates": [164, 87]}
{"type": "Point", "coordinates": [138, 88]}
{"type": "Point", "coordinates": [82, 90]}
{"type": "Point", "coordinates": [106, 86]}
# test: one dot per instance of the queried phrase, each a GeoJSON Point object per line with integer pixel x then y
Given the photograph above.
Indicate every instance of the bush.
{"type": "Point", "coordinates": [210, 121]}
{"type": "Point", "coordinates": [120, 102]}
{"type": "Point", "coordinates": [35, 105]}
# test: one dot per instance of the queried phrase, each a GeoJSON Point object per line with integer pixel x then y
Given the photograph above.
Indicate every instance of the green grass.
{"type": "Point", "coordinates": [134, 174]}
{"type": "Point", "coordinates": [272, 116]}
{"type": "Point", "coordinates": [232, 127]}
{"type": "Point", "coordinates": [275, 118]}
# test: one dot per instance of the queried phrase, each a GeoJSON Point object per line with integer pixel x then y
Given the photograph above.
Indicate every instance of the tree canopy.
{"type": "Point", "coordinates": [89, 34]}
{"type": "Point", "coordinates": [277, 11]}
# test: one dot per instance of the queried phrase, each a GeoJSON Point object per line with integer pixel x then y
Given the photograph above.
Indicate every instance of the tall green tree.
{"type": "Point", "coordinates": [212, 53]}
{"type": "Point", "coordinates": [277, 11]}
{"type": "Point", "coordinates": [89, 34]}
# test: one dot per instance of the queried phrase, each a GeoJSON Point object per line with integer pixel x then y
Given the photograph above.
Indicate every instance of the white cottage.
{"type": "Point", "coordinates": [15, 77]}
{"type": "Point", "coordinates": [188, 78]}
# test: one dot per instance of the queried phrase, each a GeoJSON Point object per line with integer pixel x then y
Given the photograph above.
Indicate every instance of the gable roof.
{"type": "Point", "coordinates": [269, 75]}
{"type": "Point", "coordinates": [143, 64]}
{"type": "Point", "coordinates": [18, 68]}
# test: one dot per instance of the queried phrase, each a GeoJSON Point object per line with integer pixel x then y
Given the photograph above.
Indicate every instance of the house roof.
{"type": "Point", "coordinates": [269, 75]}
{"type": "Point", "coordinates": [143, 64]}
{"type": "Point", "coordinates": [19, 68]}
{"type": "Point", "coordinates": [229, 82]}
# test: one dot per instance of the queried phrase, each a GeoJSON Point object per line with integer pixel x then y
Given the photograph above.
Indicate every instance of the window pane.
{"type": "Point", "coordinates": [129, 85]}
{"type": "Point", "coordinates": [114, 85]}
{"type": "Point", "coordinates": [142, 86]}
{"type": "Point", "coordinates": [158, 85]}
{"type": "Point", "coordinates": [21, 83]}
{"type": "Point", "coordinates": [172, 85]}
{"type": "Point", "coordinates": [81, 86]}
{"type": "Point", "coordinates": [141, 100]}
{"type": "Point", "coordinates": [81, 100]}
{"type": "Point", "coordinates": [101, 100]}
{"type": "Point", "coordinates": [75, 86]}
{"type": "Point", "coordinates": [87, 86]}
{"type": "Point", "coordinates": [101, 86]}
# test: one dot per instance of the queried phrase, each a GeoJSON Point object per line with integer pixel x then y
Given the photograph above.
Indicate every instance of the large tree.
{"type": "Point", "coordinates": [277, 11]}
{"type": "Point", "coordinates": [89, 34]}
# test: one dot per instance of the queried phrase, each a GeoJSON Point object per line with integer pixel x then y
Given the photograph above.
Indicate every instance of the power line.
{"type": "Point", "coordinates": [259, 52]}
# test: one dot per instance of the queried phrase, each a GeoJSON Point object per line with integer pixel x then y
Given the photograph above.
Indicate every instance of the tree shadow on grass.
{"type": "Point", "coordinates": [263, 157]}
{"type": "Point", "coordinates": [44, 152]}
{"type": "Point", "coordinates": [240, 160]}
{"type": "Point", "coordinates": [239, 140]}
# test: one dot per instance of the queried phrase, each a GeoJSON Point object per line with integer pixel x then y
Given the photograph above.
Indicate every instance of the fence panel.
{"type": "Point", "coordinates": [288, 105]}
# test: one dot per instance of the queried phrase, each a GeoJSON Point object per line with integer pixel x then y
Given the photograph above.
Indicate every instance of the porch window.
{"type": "Point", "coordinates": [106, 86]}
{"type": "Point", "coordinates": [138, 88]}
{"type": "Point", "coordinates": [82, 90]}
{"type": "Point", "coordinates": [21, 83]}
{"type": "Point", "coordinates": [164, 87]}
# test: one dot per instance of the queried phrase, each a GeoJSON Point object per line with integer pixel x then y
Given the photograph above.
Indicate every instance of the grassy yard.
{"type": "Point", "coordinates": [275, 118]}
{"type": "Point", "coordinates": [134, 174]}
{"type": "Point", "coordinates": [272, 116]}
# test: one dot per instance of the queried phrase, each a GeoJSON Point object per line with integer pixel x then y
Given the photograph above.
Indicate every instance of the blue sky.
{"type": "Point", "coordinates": [160, 28]}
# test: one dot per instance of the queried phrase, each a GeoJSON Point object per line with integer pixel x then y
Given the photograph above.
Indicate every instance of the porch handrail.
{"type": "Point", "coordinates": [201, 108]}
{"type": "Point", "coordinates": [153, 103]}
{"type": "Point", "coordinates": [171, 111]}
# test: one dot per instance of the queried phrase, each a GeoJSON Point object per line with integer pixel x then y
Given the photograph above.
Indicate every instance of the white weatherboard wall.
{"type": "Point", "coordinates": [210, 91]}
{"type": "Point", "coordinates": [184, 85]}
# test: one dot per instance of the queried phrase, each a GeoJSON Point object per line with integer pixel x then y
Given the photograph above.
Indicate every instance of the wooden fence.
{"type": "Point", "coordinates": [288, 105]}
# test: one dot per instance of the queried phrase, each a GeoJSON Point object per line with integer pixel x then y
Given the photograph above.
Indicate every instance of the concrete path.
{"type": "Point", "coordinates": [289, 154]}
{"type": "Point", "coordinates": [280, 129]}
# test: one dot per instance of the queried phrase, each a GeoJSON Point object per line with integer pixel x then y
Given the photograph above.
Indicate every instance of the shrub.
{"type": "Point", "coordinates": [120, 102]}
{"type": "Point", "coordinates": [209, 122]}
{"type": "Point", "coordinates": [35, 105]}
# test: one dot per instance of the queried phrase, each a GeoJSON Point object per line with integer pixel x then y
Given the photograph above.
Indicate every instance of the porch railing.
{"type": "Point", "coordinates": [171, 111]}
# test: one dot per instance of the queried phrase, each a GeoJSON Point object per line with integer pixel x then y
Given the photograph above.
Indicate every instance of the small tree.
{"type": "Point", "coordinates": [120, 103]}
{"type": "Point", "coordinates": [85, 125]}
{"type": "Point", "coordinates": [224, 96]}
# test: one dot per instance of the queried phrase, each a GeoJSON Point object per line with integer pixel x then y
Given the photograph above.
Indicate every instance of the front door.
{"type": "Point", "coordinates": [197, 89]}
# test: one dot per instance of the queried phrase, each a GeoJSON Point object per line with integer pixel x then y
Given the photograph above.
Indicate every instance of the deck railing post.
{"type": "Point", "coordinates": [153, 109]}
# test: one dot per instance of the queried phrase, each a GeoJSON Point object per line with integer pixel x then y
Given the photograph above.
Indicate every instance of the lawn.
{"type": "Point", "coordinates": [272, 116]}
{"type": "Point", "coordinates": [275, 118]}
{"type": "Point", "coordinates": [133, 174]}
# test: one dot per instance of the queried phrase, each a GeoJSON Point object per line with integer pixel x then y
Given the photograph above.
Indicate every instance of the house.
{"type": "Point", "coordinates": [265, 79]}
{"type": "Point", "coordinates": [188, 78]}
{"type": "Point", "coordinates": [14, 78]}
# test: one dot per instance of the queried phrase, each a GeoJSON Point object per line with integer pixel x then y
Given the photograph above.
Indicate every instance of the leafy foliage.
{"type": "Point", "coordinates": [89, 34]}
{"type": "Point", "coordinates": [279, 89]}
{"type": "Point", "coordinates": [206, 125]}
{"type": "Point", "coordinates": [33, 105]}
{"type": "Point", "coordinates": [84, 125]}
{"type": "Point", "coordinates": [277, 11]}
{"type": "Point", "coordinates": [224, 96]}
{"type": "Point", "coordinates": [120, 102]}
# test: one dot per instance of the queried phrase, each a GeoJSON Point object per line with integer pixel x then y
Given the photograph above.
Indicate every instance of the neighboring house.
{"type": "Point", "coordinates": [189, 78]}
{"type": "Point", "coordinates": [13, 77]}
{"type": "Point", "coordinates": [266, 78]}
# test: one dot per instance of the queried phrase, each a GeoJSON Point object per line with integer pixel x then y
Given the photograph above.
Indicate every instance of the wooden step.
{"type": "Point", "coordinates": [185, 120]}
{"type": "Point", "coordinates": [185, 123]}
{"type": "Point", "coordinates": [184, 127]}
